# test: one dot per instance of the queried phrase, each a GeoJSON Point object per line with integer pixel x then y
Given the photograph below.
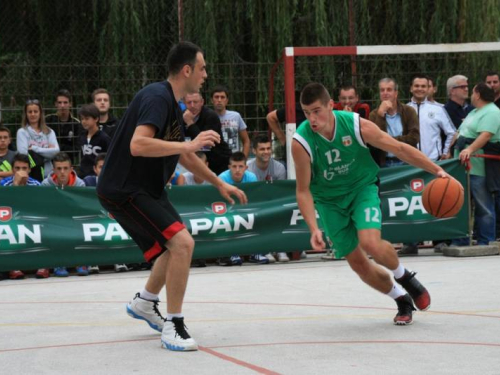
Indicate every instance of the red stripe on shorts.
{"type": "Point", "coordinates": [173, 229]}
{"type": "Point", "coordinates": [153, 252]}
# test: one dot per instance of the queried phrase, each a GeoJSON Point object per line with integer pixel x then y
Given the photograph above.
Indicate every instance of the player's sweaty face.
{"type": "Point", "coordinates": [318, 114]}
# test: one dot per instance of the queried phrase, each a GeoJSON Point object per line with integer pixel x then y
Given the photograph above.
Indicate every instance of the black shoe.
{"type": "Point", "coordinates": [408, 250]}
{"type": "Point", "coordinates": [416, 290]}
{"type": "Point", "coordinates": [404, 316]}
{"type": "Point", "coordinates": [225, 262]}
{"type": "Point", "coordinates": [198, 263]}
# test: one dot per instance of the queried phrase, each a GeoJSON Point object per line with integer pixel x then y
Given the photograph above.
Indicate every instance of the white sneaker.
{"type": "Point", "coordinates": [282, 257]}
{"type": "Point", "coordinates": [271, 258]}
{"type": "Point", "coordinates": [121, 268]}
{"type": "Point", "coordinates": [93, 269]}
{"type": "Point", "coordinates": [303, 255]}
{"type": "Point", "coordinates": [175, 336]}
{"type": "Point", "coordinates": [143, 309]}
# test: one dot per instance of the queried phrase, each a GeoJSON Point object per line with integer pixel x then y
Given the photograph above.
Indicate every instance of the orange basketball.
{"type": "Point", "coordinates": [443, 197]}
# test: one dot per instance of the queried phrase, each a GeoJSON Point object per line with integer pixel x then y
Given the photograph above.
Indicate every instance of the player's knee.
{"type": "Point", "coordinates": [182, 245]}
{"type": "Point", "coordinates": [372, 246]}
{"type": "Point", "coordinates": [360, 266]}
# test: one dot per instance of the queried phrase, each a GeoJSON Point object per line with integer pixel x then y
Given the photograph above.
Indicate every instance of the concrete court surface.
{"type": "Point", "coordinates": [304, 317]}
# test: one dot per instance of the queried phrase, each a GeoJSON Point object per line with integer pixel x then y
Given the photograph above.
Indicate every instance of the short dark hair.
{"type": "Point", "coordinates": [262, 138]}
{"type": "Point", "coordinates": [5, 129]}
{"type": "Point", "coordinates": [485, 92]}
{"type": "Point", "coordinates": [23, 158]}
{"type": "Point", "coordinates": [314, 91]}
{"type": "Point", "coordinates": [100, 157]}
{"type": "Point", "coordinates": [220, 88]}
{"type": "Point", "coordinates": [419, 76]}
{"type": "Point", "coordinates": [180, 55]}
{"type": "Point", "coordinates": [89, 110]}
{"type": "Point", "coordinates": [237, 156]}
{"type": "Point", "coordinates": [349, 87]}
{"type": "Point", "coordinates": [491, 73]}
{"type": "Point", "coordinates": [65, 93]}
{"type": "Point", "coordinates": [99, 91]}
{"type": "Point", "coordinates": [201, 155]}
{"type": "Point", "coordinates": [61, 157]}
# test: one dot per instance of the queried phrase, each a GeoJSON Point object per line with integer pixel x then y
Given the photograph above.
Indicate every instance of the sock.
{"type": "Point", "coordinates": [399, 272]}
{"type": "Point", "coordinates": [149, 296]}
{"type": "Point", "coordinates": [396, 292]}
{"type": "Point", "coordinates": [177, 315]}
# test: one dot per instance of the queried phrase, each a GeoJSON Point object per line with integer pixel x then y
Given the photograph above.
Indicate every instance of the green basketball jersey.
{"type": "Point", "coordinates": [339, 166]}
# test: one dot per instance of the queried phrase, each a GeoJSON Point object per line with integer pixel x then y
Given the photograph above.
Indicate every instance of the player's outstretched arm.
{"type": "Point", "coordinates": [194, 164]}
{"type": "Point", "coordinates": [304, 197]}
{"type": "Point", "coordinates": [372, 134]}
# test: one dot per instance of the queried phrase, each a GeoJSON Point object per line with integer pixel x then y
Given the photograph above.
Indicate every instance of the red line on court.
{"type": "Point", "coordinates": [255, 368]}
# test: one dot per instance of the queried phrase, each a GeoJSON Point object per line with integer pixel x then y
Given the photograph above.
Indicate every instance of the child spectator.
{"type": "Point", "coordinates": [191, 179]}
{"type": "Point", "coordinates": [37, 140]}
{"type": "Point", "coordinates": [98, 164]}
{"type": "Point", "coordinates": [237, 173]}
{"type": "Point", "coordinates": [92, 141]}
{"type": "Point", "coordinates": [21, 168]}
{"type": "Point", "coordinates": [64, 176]}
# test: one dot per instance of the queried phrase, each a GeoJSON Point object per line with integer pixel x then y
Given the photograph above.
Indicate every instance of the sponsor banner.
{"type": "Point", "coordinates": [49, 227]}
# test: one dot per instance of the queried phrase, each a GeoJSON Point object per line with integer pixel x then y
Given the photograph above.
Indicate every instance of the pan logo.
{"type": "Point", "coordinates": [219, 208]}
{"type": "Point", "coordinates": [417, 185]}
{"type": "Point", "coordinates": [5, 214]}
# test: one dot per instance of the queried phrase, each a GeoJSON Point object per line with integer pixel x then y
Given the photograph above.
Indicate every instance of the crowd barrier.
{"type": "Point", "coordinates": [48, 227]}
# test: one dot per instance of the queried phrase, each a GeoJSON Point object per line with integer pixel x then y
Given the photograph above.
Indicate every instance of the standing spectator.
{"type": "Point", "coordinates": [64, 124]}
{"type": "Point", "coordinates": [431, 93]}
{"type": "Point", "coordinates": [21, 177]}
{"type": "Point", "coordinates": [278, 116]}
{"type": "Point", "coordinates": [64, 176]}
{"type": "Point", "coordinates": [399, 120]}
{"type": "Point", "coordinates": [493, 80]}
{"type": "Point", "coordinates": [107, 122]}
{"type": "Point", "coordinates": [349, 101]}
{"type": "Point", "coordinates": [237, 173]}
{"type": "Point", "coordinates": [6, 155]}
{"type": "Point", "coordinates": [457, 106]}
{"type": "Point", "coordinates": [193, 180]}
{"type": "Point", "coordinates": [433, 121]}
{"type": "Point", "coordinates": [92, 141]}
{"type": "Point", "coordinates": [481, 126]}
{"type": "Point", "coordinates": [266, 169]}
{"type": "Point", "coordinates": [37, 140]}
{"type": "Point", "coordinates": [234, 128]}
{"type": "Point", "coordinates": [198, 118]}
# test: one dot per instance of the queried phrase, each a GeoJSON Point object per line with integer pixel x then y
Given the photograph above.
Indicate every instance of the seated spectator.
{"type": "Point", "coordinates": [349, 101]}
{"type": "Point", "coordinates": [267, 169]}
{"type": "Point", "coordinates": [177, 179]}
{"type": "Point", "coordinates": [198, 118]}
{"type": "Point", "coordinates": [64, 176]}
{"type": "Point", "coordinates": [191, 179]}
{"type": "Point", "coordinates": [66, 127]}
{"type": "Point", "coordinates": [6, 155]}
{"type": "Point", "coordinates": [37, 140]}
{"type": "Point", "coordinates": [92, 141]}
{"type": "Point", "coordinates": [21, 177]}
{"type": "Point", "coordinates": [237, 173]}
{"type": "Point", "coordinates": [98, 164]}
{"type": "Point", "coordinates": [399, 120]}
{"type": "Point", "coordinates": [102, 100]}
{"type": "Point", "coordinates": [481, 126]}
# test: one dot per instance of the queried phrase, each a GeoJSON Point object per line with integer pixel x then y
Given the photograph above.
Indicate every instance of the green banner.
{"type": "Point", "coordinates": [49, 227]}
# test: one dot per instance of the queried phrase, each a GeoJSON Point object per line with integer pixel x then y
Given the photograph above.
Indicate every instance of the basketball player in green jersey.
{"type": "Point", "coordinates": [337, 175]}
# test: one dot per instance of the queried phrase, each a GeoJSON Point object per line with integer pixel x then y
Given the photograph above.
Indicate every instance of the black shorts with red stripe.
{"type": "Point", "coordinates": [148, 221]}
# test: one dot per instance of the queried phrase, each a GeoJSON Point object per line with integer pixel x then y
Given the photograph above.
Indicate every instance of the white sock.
{"type": "Point", "coordinates": [178, 315]}
{"type": "Point", "coordinates": [399, 272]}
{"type": "Point", "coordinates": [149, 296]}
{"type": "Point", "coordinates": [396, 292]}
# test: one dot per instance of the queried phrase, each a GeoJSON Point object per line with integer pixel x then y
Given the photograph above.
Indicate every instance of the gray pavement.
{"type": "Point", "coordinates": [304, 317]}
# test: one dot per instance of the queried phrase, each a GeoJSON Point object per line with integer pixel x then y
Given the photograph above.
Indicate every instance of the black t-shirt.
{"type": "Point", "coordinates": [89, 149]}
{"type": "Point", "coordinates": [497, 102]}
{"type": "Point", "coordinates": [66, 131]}
{"type": "Point", "coordinates": [300, 117]}
{"type": "Point", "coordinates": [124, 174]}
{"type": "Point", "coordinates": [109, 127]}
{"type": "Point", "coordinates": [457, 112]}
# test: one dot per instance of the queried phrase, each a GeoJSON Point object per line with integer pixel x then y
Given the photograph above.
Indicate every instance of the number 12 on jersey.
{"type": "Point", "coordinates": [335, 158]}
{"type": "Point", "coordinates": [372, 215]}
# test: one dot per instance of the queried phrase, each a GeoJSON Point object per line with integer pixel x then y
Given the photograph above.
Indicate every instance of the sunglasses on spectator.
{"type": "Point", "coordinates": [461, 87]}
{"type": "Point", "coordinates": [32, 101]}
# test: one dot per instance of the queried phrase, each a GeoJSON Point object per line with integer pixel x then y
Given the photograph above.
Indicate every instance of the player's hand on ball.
{"type": "Point", "coordinates": [317, 242]}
